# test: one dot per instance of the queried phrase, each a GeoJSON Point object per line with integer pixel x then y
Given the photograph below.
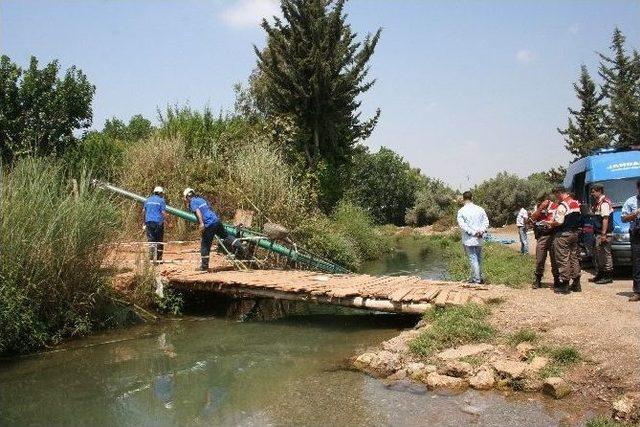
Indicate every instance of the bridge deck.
{"type": "Point", "coordinates": [399, 294]}
{"type": "Point", "coordinates": [406, 294]}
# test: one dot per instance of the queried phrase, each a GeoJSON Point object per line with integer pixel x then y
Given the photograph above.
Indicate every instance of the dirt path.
{"type": "Point", "coordinates": [599, 321]}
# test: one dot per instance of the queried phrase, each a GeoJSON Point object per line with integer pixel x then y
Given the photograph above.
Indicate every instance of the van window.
{"type": "Point", "coordinates": [619, 190]}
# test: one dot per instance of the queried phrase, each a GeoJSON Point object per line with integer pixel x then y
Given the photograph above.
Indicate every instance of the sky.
{"type": "Point", "coordinates": [467, 88]}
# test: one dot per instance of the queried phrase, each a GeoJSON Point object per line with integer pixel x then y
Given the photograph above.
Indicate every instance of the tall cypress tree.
{"type": "Point", "coordinates": [621, 77]}
{"type": "Point", "coordinates": [586, 131]}
{"type": "Point", "coordinates": [314, 70]}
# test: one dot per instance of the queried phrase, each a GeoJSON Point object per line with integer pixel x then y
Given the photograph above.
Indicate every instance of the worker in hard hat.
{"type": "Point", "coordinates": [155, 214]}
{"type": "Point", "coordinates": [210, 224]}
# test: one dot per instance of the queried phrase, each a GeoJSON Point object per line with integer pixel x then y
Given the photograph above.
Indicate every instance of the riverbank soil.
{"type": "Point", "coordinates": [599, 321]}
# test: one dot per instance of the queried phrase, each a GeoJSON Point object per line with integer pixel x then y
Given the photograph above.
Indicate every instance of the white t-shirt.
{"type": "Point", "coordinates": [522, 217]}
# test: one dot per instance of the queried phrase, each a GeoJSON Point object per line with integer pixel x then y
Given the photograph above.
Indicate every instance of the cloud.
{"type": "Point", "coordinates": [525, 56]}
{"type": "Point", "coordinates": [574, 28]}
{"type": "Point", "coordinates": [249, 13]}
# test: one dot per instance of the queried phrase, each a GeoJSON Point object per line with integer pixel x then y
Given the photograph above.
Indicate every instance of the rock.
{"type": "Point", "coordinates": [510, 368]}
{"type": "Point", "coordinates": [430, 368]}
{"type": "Point", "coordinates": [421, 324]}
{"type": "Point", "coordinates": [471, 410]}
{"type": "Point", "coordinates": [435, 380]}
{"type": "Point", "coordinates": [398, 375]}
{"type": "Point", "coordinates": [387, 362]}
{"type": "Point", "coordinates": [365, 360]}
{"type": "Point", "coordinates": [556, 387]}
{"type": "Point", "coordinates": [483, 379]}
{"type": "Point", "coordinates": [399, 344]}
{"type": "Point", "coordinates": [464, 351]}
{"type": "Point", "coordinates": [532, 384]}
{"type": "Point", "coordinates": [415, 370]}
{"type": "Point", "coordinates": [538, 363]}
{"type": "Point", "coordinates": [455, 368]}
{"type": "Point", "coordinates": [523, 349]}
{"type": "Point", "coordinates": [627, 408]}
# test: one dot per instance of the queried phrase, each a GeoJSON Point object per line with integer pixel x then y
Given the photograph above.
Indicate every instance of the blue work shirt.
{"type": "Point", "coordinates": [209, 217]}
{"type": "Point", "coordinates": [629, 207]}
{"type": "Point", "coordinates": [153, 209]}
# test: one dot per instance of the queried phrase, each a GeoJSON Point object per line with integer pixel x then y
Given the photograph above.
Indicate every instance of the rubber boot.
{"type": "Point", "coordinates": [605, 279]}
{"type": "Point", "coordinates": [563, 288]}
{"type": "Point", "coordinates": [575, 285]}
{"type": "Point", "coordinates": [556, 282]}
{"type": "Point", "coordinates": [537, 284]}
{"type": "Point", "coordinates": [597, 277]}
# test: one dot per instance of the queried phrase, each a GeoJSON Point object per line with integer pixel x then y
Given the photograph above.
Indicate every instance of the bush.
{"type": "Point", "coordinates": [434, 201]}
{"type": "Point", "coordinates": [51, 281]}
{"type": "Point", "coordinates": [385, 185]}
{"type": "Point", "coordinates": [99, 155]}
{"type": "Point", "coordinates": [357, 224]}
{"type": "Point", "coordinates": [503, 196]}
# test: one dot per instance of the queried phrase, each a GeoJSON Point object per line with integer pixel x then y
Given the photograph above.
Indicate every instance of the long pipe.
{"type": "Point", "coordinates": [238, 232]}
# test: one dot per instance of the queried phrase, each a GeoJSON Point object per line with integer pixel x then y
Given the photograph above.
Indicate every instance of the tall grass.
{"type": "Point", "coordinates": [51, 281]}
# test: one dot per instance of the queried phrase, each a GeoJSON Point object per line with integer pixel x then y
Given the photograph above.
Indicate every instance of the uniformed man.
{"type": "Point", "coordinates": [210, 227]}
{"type": "Point", "coordinates": [565, 224]}
{"type": "Point", "coordinates": [155, 214]}
{"type": "Point", "coordinates": [541, 216]}
{"type": "Point", "coordinates": [602, 227]}
{"type": "Point", "coordinates": [631, 214]}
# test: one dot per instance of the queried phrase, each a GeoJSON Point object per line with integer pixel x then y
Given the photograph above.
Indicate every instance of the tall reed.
{"type": "Point", "coordinates": [51, 280]}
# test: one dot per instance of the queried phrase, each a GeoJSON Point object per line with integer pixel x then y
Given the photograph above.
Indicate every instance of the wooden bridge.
{"type": "Point", "coordinates": [397, 294]}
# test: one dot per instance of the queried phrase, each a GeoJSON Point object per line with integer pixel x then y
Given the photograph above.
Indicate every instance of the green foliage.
{"type": "Point", "coordinates": [98, 154]}
{"type": "Point", "coordinates": [138, 128]}
{"type": "Point", "coordinates": [565, 355]}
{"type": "Point", "coordinates": [503, 196]}
{"type": "Point", "coordinates": [603, 421]}
{"type": "Point", "coordinates": [621, 86]}
{"type": "Point", "coordinates": [314, 70]}
{"type": "Point", "coordinates": [40, 110]}
{"type": "Point", "coordinates": [434, 201]}
{"type": "Point", "coordinates": [523, 335]}
{"type": "Point", "coordinates": [501, 264]}
{"type": "Point", "coordinates": [320, 236]}
{"type": "Point", "coordinates": [384, 184]}
{"type": "Point", "coordinates": [586, 130]}
{"type": "Point", "coordinates": [51, 281]}
{"type": "Point", "coordinates": [356, 223]}
{"type": "Point", "coordinates": [453, 326]}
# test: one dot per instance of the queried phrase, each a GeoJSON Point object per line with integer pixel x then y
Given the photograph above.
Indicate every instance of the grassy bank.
{"type": "Point", "coordinates": [501, 264]}
{"type": "Point", "coordinates": [51, 283]}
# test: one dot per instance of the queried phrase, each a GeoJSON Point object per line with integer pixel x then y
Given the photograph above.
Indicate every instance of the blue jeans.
{"type": "Point", "coordinates": [474, 253]}
{"type": "Point", "coordinates": [524, 242]}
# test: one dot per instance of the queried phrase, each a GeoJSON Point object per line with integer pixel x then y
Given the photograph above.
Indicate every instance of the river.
{"type": "Point", "coordinates": [201, 371]}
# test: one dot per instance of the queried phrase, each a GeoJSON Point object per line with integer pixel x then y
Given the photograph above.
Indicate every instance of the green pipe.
{"type": "Point", "coordinates": [265, 243]}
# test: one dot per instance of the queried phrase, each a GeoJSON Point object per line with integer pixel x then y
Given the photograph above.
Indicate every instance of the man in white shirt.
{"type": "Point", "coordinates": [521, 223]}
{"type": "Point", "coordinates": [473, 223]}
{"type": "Point", "coordinates": [631, 214]}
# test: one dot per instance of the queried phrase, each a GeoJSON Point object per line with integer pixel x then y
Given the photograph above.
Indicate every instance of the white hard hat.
{"type": "Point", "coordinates": [158, 189]}
{"type": "Point", "coordinates": [188, 191]}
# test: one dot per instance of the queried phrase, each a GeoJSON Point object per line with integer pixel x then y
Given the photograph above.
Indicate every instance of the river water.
{"type": "Point", "coordinates": [201, 371]}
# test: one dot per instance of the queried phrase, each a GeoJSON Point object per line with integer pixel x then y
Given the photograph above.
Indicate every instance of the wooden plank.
{"type": "Point", "coordinates": [442, 297]}
{"type": "Point", "coordinates": [427, 294]}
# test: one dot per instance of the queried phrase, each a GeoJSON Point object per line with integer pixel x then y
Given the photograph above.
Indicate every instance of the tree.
{"type": "Point", "coordinates": [621, 76]}
{"type": "Point", "coordinates": [314, 70]}
{"type": "Point", "coordinates": [586, 130]}
{"type": "Point", "coordinates": [137, 129]}
{"type": "Point", "coordinates": [503, 196]}
{"type": "Point", "coordinates": [39, 110]}
{"type": "Point", "coordinates": [384, 184]}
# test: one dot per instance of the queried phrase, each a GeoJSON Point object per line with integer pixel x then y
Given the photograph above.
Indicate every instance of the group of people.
{"type": "Point", "coordinates": [155, 216]}
{"type": "Point", "coordinates": [556, 223]}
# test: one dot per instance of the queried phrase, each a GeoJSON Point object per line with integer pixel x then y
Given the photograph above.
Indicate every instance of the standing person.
{"type": "Point", "coordinates": [521, 223]}
{"type": "Point", "coordinates": [603, 225]}
{"type": "Point", "coordinates": [155, 214]}
{"type": "Point", "coordinates": [631, 214]}
{"type": "Point", "coordinates": [209, 223]}
{"type": "Point", "coordinates": [541, 216]}
{"type": "Point", "coordinates": [473, 223]}
{"type": "Point", "coordinates": [565, 224]}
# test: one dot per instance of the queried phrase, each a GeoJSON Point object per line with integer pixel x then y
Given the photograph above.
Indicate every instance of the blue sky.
{"type": "Point", "coordinates": [466, 88]}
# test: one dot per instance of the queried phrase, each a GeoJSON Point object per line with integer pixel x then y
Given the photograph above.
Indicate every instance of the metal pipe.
{"type": "Point", "coordinates": [265, 243]}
